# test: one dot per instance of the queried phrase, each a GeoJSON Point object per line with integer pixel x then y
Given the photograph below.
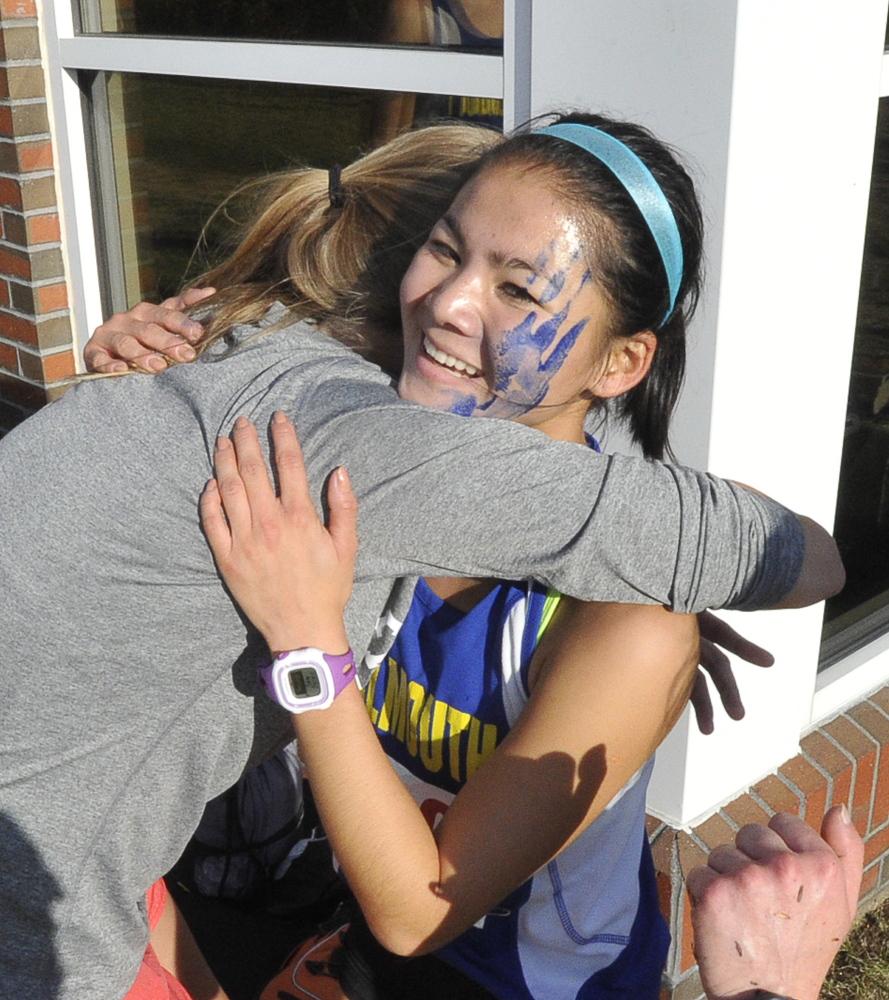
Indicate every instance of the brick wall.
{"type": "Point", "coordinates": [844, 760]}
{"type": "Point", "coordinates": [35, 329]}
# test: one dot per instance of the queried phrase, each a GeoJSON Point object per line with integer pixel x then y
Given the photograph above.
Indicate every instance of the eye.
{"type": "Point", "coordinates": [518, 292]}
{"type": "Point", "coordinates": [442, 250]}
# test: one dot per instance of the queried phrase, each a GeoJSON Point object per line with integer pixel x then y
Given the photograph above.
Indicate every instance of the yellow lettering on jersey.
{"type": "Point", "coordinates": [481, 743]}
{"type": "Point", "coordinates": [432, 731]}
{"type": "Point", "coordinates": [429, 728]}
{"type": "Point", "coordinates": [417, 695]}
{"type": "Point", "coordinates": [369, 693]}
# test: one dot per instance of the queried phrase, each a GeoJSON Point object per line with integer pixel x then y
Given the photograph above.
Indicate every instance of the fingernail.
{"type": "Point", "coordinates": [193, 331]}
{"type": "Point", "coordinates": [187, 353]}
{"type": "Point", "coordinates": [844, 815]}
{"type": "Point", "coordinates": [223, 444]}
{"type": "Point", "coordinates": [211, 486]}
{"type": "Point", "coordinates": [155, 364]}
{"type": "Point", "coordinates": [342, 477]}
{"type": "Point", "coordinates": [241, 423]}
{"type": "Point", "coordinates": [279, 417]}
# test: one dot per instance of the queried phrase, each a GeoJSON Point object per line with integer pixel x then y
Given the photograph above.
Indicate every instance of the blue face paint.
{"type": "Point", "coordinates": [463, 406]}
{"type": "Point", "coordinates": [555, 285]}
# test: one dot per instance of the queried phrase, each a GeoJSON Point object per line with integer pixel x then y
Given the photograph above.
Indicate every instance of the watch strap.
{"type": "Point", "coordinates": [342, 669]}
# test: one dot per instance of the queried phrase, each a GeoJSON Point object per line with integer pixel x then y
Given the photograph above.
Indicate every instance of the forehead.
{"type": "Point", "coordinates": [511, 204]}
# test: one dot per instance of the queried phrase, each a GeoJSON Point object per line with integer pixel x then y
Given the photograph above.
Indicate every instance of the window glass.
{"type": "Point", "coordinates": [168, 150]}
{"type": "Point", "coordinates": [862, 523]}
{"type": "Point", "coordinates": [465, 23]}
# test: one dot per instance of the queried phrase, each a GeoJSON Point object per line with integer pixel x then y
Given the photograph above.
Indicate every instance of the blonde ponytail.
{"type": "Point", "coordinates": [342, 266]}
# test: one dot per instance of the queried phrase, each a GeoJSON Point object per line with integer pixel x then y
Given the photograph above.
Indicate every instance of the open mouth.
{"type": "Point", "coordinates": [448, 361]}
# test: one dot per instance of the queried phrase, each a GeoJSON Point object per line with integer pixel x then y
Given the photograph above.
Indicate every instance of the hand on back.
{"type": "Point", "coordinates": [291, 576]}
{"type": "Point", "coordinates": [147, 338]}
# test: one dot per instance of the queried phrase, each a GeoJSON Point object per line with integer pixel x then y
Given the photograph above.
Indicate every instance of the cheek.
{"type": "Point", "coordinates": [419, 279]}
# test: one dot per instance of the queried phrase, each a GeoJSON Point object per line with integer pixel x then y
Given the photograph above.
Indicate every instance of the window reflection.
{"type": "Point", "coordinates": [471, 24]}
{"type": "Point", "coordinates": [180, 145]}
{"type": "Point", "coordinates": [862, 523]}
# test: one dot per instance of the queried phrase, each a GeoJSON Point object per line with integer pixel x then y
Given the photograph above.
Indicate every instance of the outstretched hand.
{"type": "Point", "coordinates": [716, 633]}
{"type": "Point", "coordinates": [771, 912]}
{"type": "Point", "coordinates": [147, 337]}
{"type": "Point", "coordinates": [291, 576]}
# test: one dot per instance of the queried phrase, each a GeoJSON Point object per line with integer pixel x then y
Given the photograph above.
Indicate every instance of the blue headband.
{"type": "Point", "coordinates": [640, 185]}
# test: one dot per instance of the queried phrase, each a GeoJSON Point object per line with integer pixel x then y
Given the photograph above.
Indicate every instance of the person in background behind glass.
{"type": "Point", "coordinates": [476, 24]}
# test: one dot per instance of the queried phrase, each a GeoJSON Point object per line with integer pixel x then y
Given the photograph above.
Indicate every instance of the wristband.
{"type": "Point", "coordinates": [302, 680]}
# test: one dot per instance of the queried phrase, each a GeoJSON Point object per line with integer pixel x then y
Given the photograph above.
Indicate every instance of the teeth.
{"type": "Point", "coordinates": [448, 360]}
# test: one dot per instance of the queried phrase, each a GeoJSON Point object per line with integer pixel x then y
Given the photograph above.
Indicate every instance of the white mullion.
{"type": "Point", "coordinates": [516, 63]}
{"type": "Point", "coordinates": [420, 70]}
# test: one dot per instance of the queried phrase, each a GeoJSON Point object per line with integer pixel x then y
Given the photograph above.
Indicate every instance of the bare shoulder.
{"type": "Point", "coordinates": [585, 634]}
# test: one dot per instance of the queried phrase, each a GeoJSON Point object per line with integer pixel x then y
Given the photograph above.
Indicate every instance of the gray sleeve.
{"type": "Point", "coordinates": [440, 494]}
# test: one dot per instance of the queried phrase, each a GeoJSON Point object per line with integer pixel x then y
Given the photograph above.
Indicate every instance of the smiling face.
{"type": "Point", "coordinates": [503, 317]}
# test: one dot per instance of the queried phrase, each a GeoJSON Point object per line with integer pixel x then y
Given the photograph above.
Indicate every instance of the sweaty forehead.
{"type": "Point", "coordinates": [520, 217]}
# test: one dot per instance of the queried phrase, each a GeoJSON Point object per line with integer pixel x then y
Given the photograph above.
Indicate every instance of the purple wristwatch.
{"type": "Point", "coordinates": [303, 679]}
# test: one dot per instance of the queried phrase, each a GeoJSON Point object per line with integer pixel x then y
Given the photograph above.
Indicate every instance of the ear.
{"type": "Point", "coordinates": [627, 365]}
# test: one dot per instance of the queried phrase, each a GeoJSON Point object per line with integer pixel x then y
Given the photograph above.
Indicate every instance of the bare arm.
{"type": "Point", "coordinates": [822, 574]}
{"type": "Point", "coordinates": [625, 530]}
{"type": "Point", "coordinates": [608, 682]}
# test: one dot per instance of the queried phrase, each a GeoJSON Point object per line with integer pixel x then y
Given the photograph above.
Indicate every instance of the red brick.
{"type": "Point", "coordinates": [876, 845]}
{"type": "Point", "coordinates": [35, 155]}
{"type": "Point", "coordinates": [21, 82]}
{"type": "Point", "coordinates": [43, 228]}
{"type": "Point", "coordinates": [6, 126]}
{"type": "Point", "coordinates": [16, 328]}
{"type": "Point", "coordinates": [744, 810]}
{"type": "Point", "coordinates": [871, 720]}
{"type": "Point", "coordinates": [18, 8]}
{"type": "Point", "coordinates": [665, 895]}
{"type": "Point", "coordinates": [687, 953]}
{"type": "Point", "coordinates": [803, 774]}
{"type": "Point", "coordinates": [19, 42]}
{"type": "Point", "coordinates": [4, 293]}
{"type": "Point", "coordinates": [715, 831]}
{"type": "Point", "coordinates": [53, 297]}
{"type": "Point", "coordinates": [881, 791]}
{"type": "Point", "coordinates": [815, 807]}
{"type": "Point", "coordinates": [881, 699]}
{"type": "Point", "coordinates": [862, 794]}
{"type": "Point", "coordinates": [38, 192]}
{"type": "Point", "coordinates": [662, 850]}
{"type": "Point", "coordinates": [825, 754]}
{"type": "Point", "coordinates": [842, 789]}
{"type": "Point", "coordinates": [58, 366]}
{"type": "Point", "coordinates": [849, 737]}
{"type": "Point", "coordinates": [690, 854]}
{"type": "Point", "coordinates": [9, 358]}
{"type": "Point", "coordinates": [15, 262]}
{"type": "Point", "coordinates": [10, 193]}
{"type": "Point", "coordinates": [652, 825]}
{"type": "Point", "coordinates": [869, 881]}
{"type": "Point", "coordinates": [777, 796]}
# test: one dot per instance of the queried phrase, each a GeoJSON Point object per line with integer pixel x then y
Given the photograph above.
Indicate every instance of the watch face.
{"type": "Point", "coordinates": [304, 682]}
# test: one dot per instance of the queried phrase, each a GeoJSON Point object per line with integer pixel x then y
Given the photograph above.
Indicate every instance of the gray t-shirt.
{"type": "Point", "coordinates": [129, 695]}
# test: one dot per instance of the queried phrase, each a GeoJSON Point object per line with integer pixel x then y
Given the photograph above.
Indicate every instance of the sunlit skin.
{"type": "Point", "coordinates": [503, 285]}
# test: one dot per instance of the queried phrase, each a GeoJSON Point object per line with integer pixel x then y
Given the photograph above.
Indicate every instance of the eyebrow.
{"type": "Point", "coordinates": [496, 258]}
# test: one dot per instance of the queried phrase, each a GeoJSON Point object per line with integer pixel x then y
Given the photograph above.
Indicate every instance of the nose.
{"type": "Point", "coordinates": [455, 303]}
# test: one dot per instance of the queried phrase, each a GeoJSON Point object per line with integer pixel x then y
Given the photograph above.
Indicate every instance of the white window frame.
{"type": "Point", "coordinates": [413, 70]}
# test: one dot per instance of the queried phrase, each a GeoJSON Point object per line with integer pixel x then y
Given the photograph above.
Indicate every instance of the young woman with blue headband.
{"type": "Point", "coordinates": [497, 819]}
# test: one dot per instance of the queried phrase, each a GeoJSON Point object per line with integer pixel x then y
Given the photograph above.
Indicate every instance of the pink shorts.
{"type": "Point", "coordinates": [153, 981]}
